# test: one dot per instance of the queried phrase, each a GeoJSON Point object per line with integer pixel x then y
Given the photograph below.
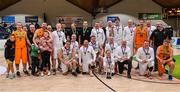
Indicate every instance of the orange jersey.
{"type": "Point", "coordinates": [140, 36]}
{"type": "Point", "coordinates": [163, 54]}
{"type": "Point", "coordinates": [20, 39]}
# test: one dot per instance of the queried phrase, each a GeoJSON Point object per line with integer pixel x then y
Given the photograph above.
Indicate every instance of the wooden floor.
{"type": "Point", "coordinates": [84, 83]}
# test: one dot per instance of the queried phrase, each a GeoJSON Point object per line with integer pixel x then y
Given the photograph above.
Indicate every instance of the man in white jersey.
{"type": "Point", "coordinates": [110, 29]}
{"type": "Point", "coordinates": [99, 53]}
{"type": "Point", "coordinates": [75, 45]}
{"type": "Point", "coordinates": [129, 35]}
{"type": "Point", "coordinates": [150, 28]}
{"type": "Point", "coordinates": [58, 39]}
{"type": "Point", "coordinates": [98, 33]}
{"type": "Point", "coordinates": [111, 45]}
{"type": "Point", "coordinates": [67, 57]}
{"type": "Point", "coordinates": [123, 56]}
{"type": "Point", "coordinates": [145, 58]}
{"type": "Point", "coordinates": [118, 31]}
{"type": "Point", "coordinates": [87, 57]}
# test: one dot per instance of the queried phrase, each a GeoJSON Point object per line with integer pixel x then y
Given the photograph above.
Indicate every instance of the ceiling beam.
{"type": "Point", "coordinates": [160, 4]}
{"type": "Point", "coordinates": [6, 3]}
{"type": "Point", "coordinates": [76, 4]}
{"type": "Point", "coordinates": [114, 3]}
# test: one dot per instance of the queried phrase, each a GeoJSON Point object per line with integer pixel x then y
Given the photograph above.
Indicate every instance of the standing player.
{"type": "Point", "coordinates": [58, 39]}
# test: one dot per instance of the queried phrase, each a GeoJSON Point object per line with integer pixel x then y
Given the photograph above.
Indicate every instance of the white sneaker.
{"type": "Point", "coordinates": [12, 76]}
{"type": "Point", "coordinates": [90, 73]}
{"type": "Point", "coordinates": [49, 73]}
{"type": "Point", "coordinates": [42, 74]}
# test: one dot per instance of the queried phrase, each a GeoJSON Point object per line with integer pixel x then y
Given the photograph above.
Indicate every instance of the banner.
{"type": "Point", "coordinates": [68, 20]}
{"type": "Point", "coordinates": [29, 19]}
{"type": "Point", "coordinates": [8, 19]}
{"type": "Point", "coordinates": [175, 42]}
{"type": "Point", "coordinates": [149, 16]}
{"type": "Point", "coordinates": [111, 18]}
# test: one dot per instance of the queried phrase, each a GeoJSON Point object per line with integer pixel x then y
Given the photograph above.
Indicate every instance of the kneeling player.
{"type": "Point", "coordinates": [67, 57]}
{"type": "Point", "coordinates": [87, 56]}
{"type": "Point", "coordinates": [145, 58]}
{"type": "Point", "coordinates": [98, 48]}
{"type": "Point", "coordinates": [109, 64]}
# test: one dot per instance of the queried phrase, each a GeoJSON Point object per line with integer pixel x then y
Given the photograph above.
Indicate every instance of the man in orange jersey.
{"type": "Point", "coordinates": [141, 34]}
{"type": "Point", "coordinates": [39, 33]}
{"type": "Point", "coordinates": [21, 42]}
{"type": "Point", "coordinates": [165, 56]}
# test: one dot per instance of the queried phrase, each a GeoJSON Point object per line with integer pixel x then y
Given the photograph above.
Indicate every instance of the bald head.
{"type": "Point", "coordinates": [159, 25]}
{"type": "Point", "coordinates": [123, 43]}
{"type": "Point", "coordinates": [130, 22]}
{"type": "Point", "coordinates": [73, 26]}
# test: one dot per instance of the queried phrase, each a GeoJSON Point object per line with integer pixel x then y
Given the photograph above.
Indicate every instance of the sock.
{"type": "Point", "coordinates": [150, 69]}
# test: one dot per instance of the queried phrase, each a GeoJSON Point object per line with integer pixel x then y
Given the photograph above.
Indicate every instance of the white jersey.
{"type": "Point", "coordinates": [75, 46]}
{"type": "Point", "coordinates": [129, 37]}
{"type": "Point", "coordinates": [58, 39]}
{"type": "Point", "coordinates": [145, 54]}
{"type": "Point", "coordinates": [150, 30]}
{"type": "Point", "coordinates": [122, 52]}
{"type": "Point", "coordinates": [67, 53]}
{"type": "Point", "coordinates": [111, 47]}
{"type": "Point", "coordinates": [148, 55]}
{"type": "Point", "coordinates": [109, 31]}
{"type": "Point", "coordinates": [109, 64]}
{"type": "Point", "coordinates": [86, 55]}
{"type": "Point", "coordinates": [95, 46]}
{"type": "Point", "coordinates": [118, 33]}
{"type": "Point", "coordinates": [67, 57]}
{"type": "Point", "coordinates": [99, 34]}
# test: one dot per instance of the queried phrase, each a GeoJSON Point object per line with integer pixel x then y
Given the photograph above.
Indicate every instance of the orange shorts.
{"type": "Point", "coordinates": [161, 67]}
{"type": "Point", "coordinates": [21, 54]}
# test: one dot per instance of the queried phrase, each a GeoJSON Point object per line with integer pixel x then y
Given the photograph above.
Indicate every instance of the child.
{"type": "Point", "coordinates": [10, 55]}
{"type": "Point", "coordinates": [34, 59]}
{"type": "Point", "coordinates": [109, 64]}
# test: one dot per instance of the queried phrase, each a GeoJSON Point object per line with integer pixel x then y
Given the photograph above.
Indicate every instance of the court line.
{"type": "Point", "coordinates": [104, 83]}
{"type": "Point", "coordinates": [150, 81]}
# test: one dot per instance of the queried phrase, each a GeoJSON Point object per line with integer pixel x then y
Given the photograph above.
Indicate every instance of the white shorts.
{"type": "Point", "coordinates": [143, 67]}
{"type": "Point", "coordinates": [56, 52]}
{"type": "Point", "coordinates": [106, 67]}
{"type": "Point", "coordinates": [64, 68]}
{"type": "Point", "coordinates": [85, 65]}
